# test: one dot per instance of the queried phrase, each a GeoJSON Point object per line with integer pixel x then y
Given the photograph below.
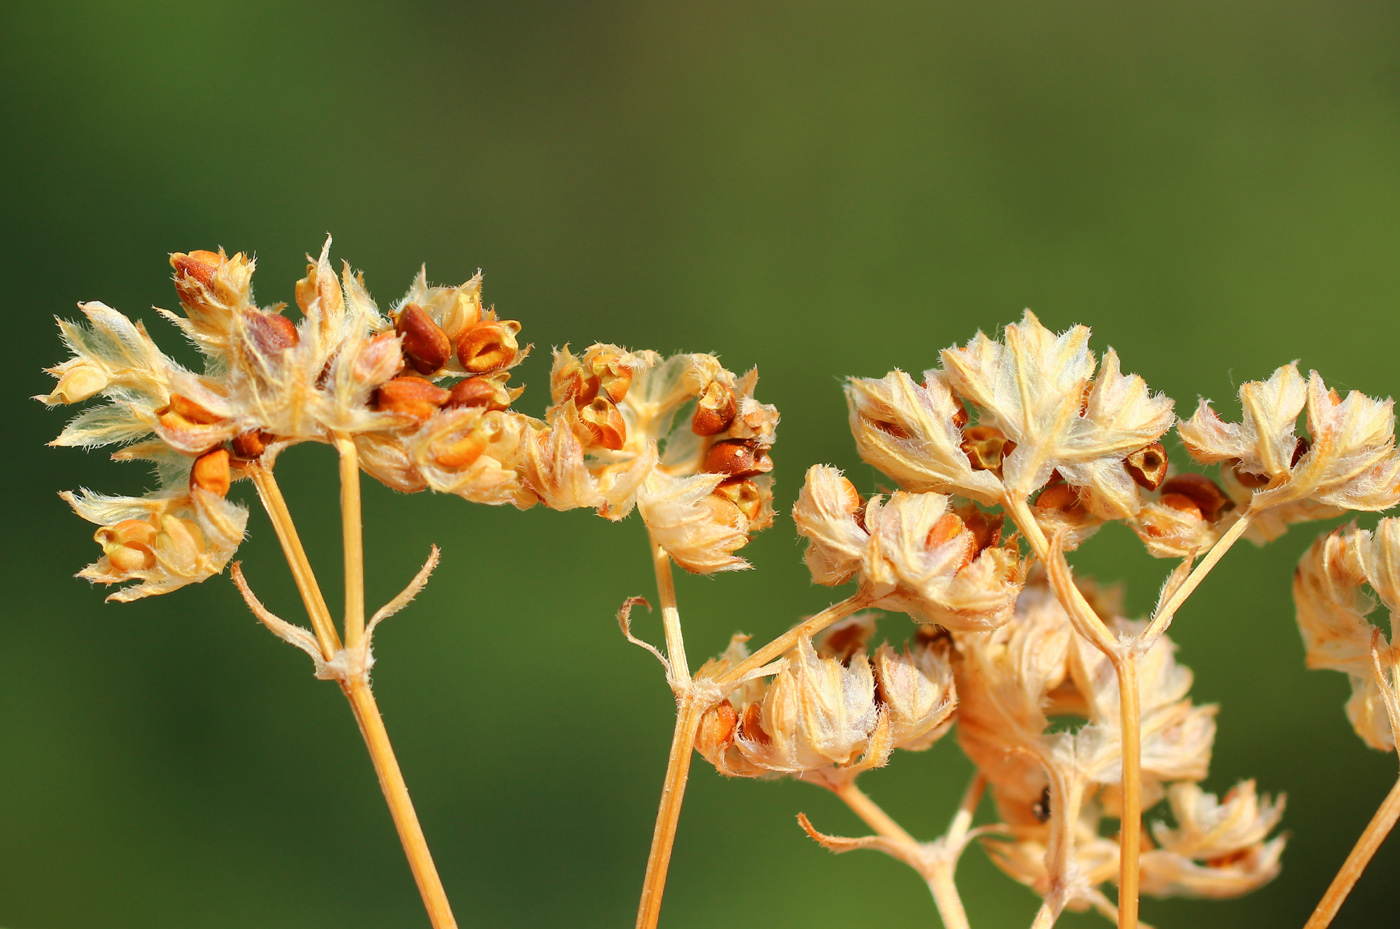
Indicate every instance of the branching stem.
{"type": "Point", "coordinates": [357, 691]}
{"type": "Point", "coordinates": [1163, 618]}
{"type": "Point", "coordinates": [783, 643]}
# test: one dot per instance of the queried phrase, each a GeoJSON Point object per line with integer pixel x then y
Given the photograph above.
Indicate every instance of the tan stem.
{"type": "Point", "coordinates": [362, 704]}
{"type": "Point", "coordinates": [1167, 611]}
{"type": "Point", "coordinates": [1130, 833]}
{"type": "Point", "coordinates": [872, 815]}
{"type": "Point", "coordinates": [663, 837]}
{"type": "Point", "coordinates": [352, 536]}
{"type": "Point", "coordinates": [670, 617]}
{"type": "Point", "coordinates": [316, 609]}
{"type": "Point", "coordinates": [808, 627]}
{"type": "Point", "coordinates": [1376, 831]}
{"type": "Point", "coordinates": [1045, 917]}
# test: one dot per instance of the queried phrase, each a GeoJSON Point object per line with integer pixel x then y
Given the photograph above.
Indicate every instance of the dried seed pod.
{"type": "Point", "coordinates": [606, 372]}
{"type": "Point", "coordinates": [488, 346]}
{"type": "Point", "coordinates": [1059, 496]}
{"type": "Point", "coordinates": [184, 411]}
{"type": "Point", "coordinates": [737, 458]}
{"type": "Point", "coordinates": [1248, 479]}
{"type": "Point", "coordinates": [744, 494]}
{"type": "Point", "coordinates": [985, 529]}
{"type": "Point", "coordinates": [410, 396]}
{"type": "Point", "coordinates": [986, 447]}
{"type": "Point", "coordinates": [1180, 502]}
{"type": "Point", "coordinates": [479, 391]}
{"type": "Point", "coordinates": [725, 512]}
{"type": "Point", "coordinates": [270, 333]}
{"type": "Point", "coordinates": [460, 453]}
{"type": "Point", "coordinates": [1148, 466]}
{"type": "Point", "coordinates": [603, 424]}
{"type": "Point", "coordinates": [426, 347]}
{"type": "Point", "coordinates": [127, 545]}
{"type": "Point", "coordinates": [198, 264]}
{"type": "Point", "coordinates": [251, 444]}
{"type": "Point", "coordinates": [1201, 491]}
{"type": "Point", "coordinates": [211, 472]}
{"type": "Point", "coordinates": [716, 732]}
{"type": "Point", "coordinates": [715, 409]}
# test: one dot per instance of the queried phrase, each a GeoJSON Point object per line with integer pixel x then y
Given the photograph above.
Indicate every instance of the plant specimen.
{"type": "Point", "coordinates": [1007, 457]}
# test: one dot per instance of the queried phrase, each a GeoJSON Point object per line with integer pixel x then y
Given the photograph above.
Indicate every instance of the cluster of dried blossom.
{"type": "Point", "coordinates": [1012, 453]}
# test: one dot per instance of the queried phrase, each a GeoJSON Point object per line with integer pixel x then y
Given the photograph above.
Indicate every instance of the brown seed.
{"type": "Point", "coordinates": [1180, 502]}
{"type": "Point", "coordinates": [1148, 466]}
{"type": "Point", "coordinates": [270, 333]}
{"type": "Point", "coordinates": [1058, 497]}
{"type": "Point", "coordinates": [198, 264]}
{"type": "Point", "coordinates": [426, 347]}
{"type": "Point", "coordinates": [986, 530]}
{"type": "Point", "coordinates": [1201, 491]}
{"type": "Point", "coordinates": [478, 391]}
{"type": "Point", "coordinates": [411, 396]}
{"type": "Point", "coordinates": [715, 409]}
{"type": "Point", "coordinates": [737, 457]}
{"type": "Point", "coordinates": [487, 346]}
{"type": "Point", "coordinates": [894, 429]}
{"type": "Point", "coordinates": [211, 473]}
{"type": "Point", "coordinates": [251, 444]}
{"type": "Point", "coordinates": [717, 726]}
{"type": "Point", "coordinates": [960, 416]}
{"type": "Point", "coordinates": [751, 725]}
{"type": "Point", "coordinates": [1248, 478]}
{"type": "Point", "coordinates": [744, 494]}
{"type": "Point", "coordinates": [604, 424]}
{"type": "Point", "coordinates": [462, 452]}
{"type": "Point", "coordinates": [1299, 450]}
{"type": "Point", "coordinates": [188, 410]}
{"type": "Point", "coordinates": [948, 528]}
{"type": "Point", "coordinates": [986, 447]}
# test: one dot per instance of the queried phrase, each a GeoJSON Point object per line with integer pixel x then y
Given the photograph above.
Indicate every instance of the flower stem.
{"type": "Point", "coordinates": [352, 535]}
{"type": "Point", "coordinates": [688, 713]}
{"type": "Point", "coordinates": [663, 837]}
{"type": "Point", "coordinates": [276, 506]}
{"type": "Point", "coordinates": [871, 814]}
{"type": "Point", "coordinates": [1130, 833]}
{"type": "Point", "coordinates": [1167, 611]}
{"type": "Point", "coordinates": [808, 627]}
{"type": "Point", "coordinates": [415, 845]}
{"type": "Point", "coordinates": [1376, 831]}
{"type": "Point", "coordinates": [362, 703]}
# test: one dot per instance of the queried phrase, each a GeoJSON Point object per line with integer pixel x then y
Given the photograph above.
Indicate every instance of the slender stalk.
{"type": "Point", "coordinates": [276, 507]}
{"type": "Point", "coordinates": [1376, 831]}
{"type": "Point", "coordinates": [1130, 833]}
{"type": "Point", "coordinates": [872, 815]}
{"type": "Point", "coordinates": [1164, 615]}
{"type": "Point", "coordinates": [688, 713]}
{"type": "Point", "coordinates": [808, 627]}
{"type": "Point", "coordinates": [415, 845]}
{"type": "Point", "coordinates": [670, 617]}
{"type": "Point", "coordinates": [663, 837]}
{"type": "Point", "coordinates": [352, 535]}
{"type": "Point", "coordinates": [362, 704]}
{"type": "Point", "coordinates": [1045, 917]}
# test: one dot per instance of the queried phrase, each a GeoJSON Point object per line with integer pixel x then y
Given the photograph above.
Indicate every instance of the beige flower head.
{"type": "Point", "coordinates": [1219, 849]}
{"type": "Point", "coordinates": [831, 712]}
{"type": "Point", "coordinates": [912, 552]}
{"type": "Point", "coordinates": [1347, 460]}
{"type": "Point", "coordinates": [345, 370]}
{"type": "Point", "coordinates": [1332, 608]}
{"type": "Point", "coordinates": [1039, 410]}
{"type": "Point", "coordinates": [681, 438]}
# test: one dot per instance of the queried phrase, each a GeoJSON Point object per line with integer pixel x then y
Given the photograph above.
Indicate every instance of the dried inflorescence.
{"type": "Point", "coordinates": [423, 391]}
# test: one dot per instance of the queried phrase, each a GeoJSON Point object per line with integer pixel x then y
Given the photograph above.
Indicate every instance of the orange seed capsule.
{"type": "Point", "coordinates": [1057, 497]}
{"type": "Point", "coordinates": [715, 409]}
{"type": "Point", "coordinates": [198, 264]}
{"type": "Point", "coordinates": [426, 347]}
{"type": "Point", "coordinates": [211, 472]}
{"type": "Point", "coordinates": [127, 544]}
{"type": "Point", "coordinates": [1201, 491]}
{"type": "Point", "coordinates": [462, 452]}
{"type": "Point", "coordinates": [725, 512]}
{"type": "Point", "coordinates": [488, 346]}
{"type": "Point", "coordinates": [744, 494]}
{"type": "Point", "coordinates": [1148, 466]}
{"type": "Point", "coordinates": [411, 396]}
{"type": "Point", "coordinates": [737, 457]}
{"type": "Point", "coordinates": [717, 727]}
{"type": "Point", "coordinates": [271, 333]}
{"type": "Point", "coordinates": [604, 423]}
{"type": "Point", "coordinates": [478, 391]}
{"type": "Point", "coordinates": [251, 444]}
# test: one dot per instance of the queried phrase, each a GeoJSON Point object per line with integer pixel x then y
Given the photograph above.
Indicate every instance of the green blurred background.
{"type": "Point", "coordinates": [819, 190]}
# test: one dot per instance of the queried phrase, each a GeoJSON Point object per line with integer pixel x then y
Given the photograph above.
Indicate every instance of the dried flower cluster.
{"type": "Point", "coordinates": [1009, 455]}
